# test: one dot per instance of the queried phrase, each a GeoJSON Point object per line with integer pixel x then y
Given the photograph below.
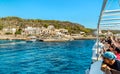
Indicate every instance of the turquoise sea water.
{"type": "Point", "coordinates": [21, 57]}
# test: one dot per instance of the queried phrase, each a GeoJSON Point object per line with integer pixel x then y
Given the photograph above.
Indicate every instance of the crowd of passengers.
{"type": "Point", "coordinates": [111, 55]}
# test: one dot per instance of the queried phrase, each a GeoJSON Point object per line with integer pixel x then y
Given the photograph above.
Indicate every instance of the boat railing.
{"type": "Point", "coordinates": [112, 11]}
{"type": "Point", "coordinates": [110, 19]}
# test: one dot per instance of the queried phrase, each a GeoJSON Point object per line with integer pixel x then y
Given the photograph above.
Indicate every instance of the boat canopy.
{"type": "Point", "coordinates": [110, 16]}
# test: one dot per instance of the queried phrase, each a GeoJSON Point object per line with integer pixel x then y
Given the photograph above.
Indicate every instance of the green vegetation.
{"type": "Point", "coordinates": [8, 33]}
{"type": "Point", "coordinates": [1, 26]}
{"type": "Point", "coordinates": [17, 22]}
{"type": "Point", "coordinates": [18, 31]}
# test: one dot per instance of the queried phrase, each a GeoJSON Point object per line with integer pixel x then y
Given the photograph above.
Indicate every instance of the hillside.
{"type": "Point", "coordinates": [22, 23]}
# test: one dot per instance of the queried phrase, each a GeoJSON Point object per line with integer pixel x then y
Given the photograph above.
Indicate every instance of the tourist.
{"type": "Point", "coordinates": [111, 48]}
{"type": "Point", "coordinates": [106, 46]}
{"type": "Point", "coordinates": [117, 53]}
{"type": "Point", "coordinates": [109, 40]}
{"type": "Point", "coordinates": [110, 65]}
{"type": "Point", "coordinates": [116, 43]}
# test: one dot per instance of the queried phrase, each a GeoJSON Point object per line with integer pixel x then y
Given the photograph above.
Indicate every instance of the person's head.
{"type": "Point", "coordinates": [117, 50]}
{"type": "Point", "coordinates": [111, 48]}
{"type": "Point", "coordinates": [109, 57]}
{"type": "Point", "coordinates": [109, 38]}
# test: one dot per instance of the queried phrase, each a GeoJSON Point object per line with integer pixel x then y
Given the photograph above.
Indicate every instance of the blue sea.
{"type": "Point", "coordinates": [21, 57]}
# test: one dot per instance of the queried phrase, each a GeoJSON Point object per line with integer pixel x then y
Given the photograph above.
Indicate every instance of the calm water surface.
{"type": "Point", "coordinates": [21, 57]}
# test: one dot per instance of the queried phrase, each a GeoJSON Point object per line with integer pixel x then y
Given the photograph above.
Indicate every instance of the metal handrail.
{"type": "Point", "coordinates": [98, 26]}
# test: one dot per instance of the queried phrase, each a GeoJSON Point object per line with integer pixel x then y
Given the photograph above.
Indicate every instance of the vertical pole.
{"type": "Point", "coordinates": [98, 26]}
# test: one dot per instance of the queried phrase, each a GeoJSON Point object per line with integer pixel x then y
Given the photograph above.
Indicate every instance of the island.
{"type": "Point", "coordinates": [44, 30]}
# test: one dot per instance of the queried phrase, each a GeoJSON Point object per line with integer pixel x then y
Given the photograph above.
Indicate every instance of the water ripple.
{"type": "Point", "coordinates": [71, 57]}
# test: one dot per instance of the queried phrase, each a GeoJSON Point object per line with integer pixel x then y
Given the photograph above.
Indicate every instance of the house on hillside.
{"type": "Point", "coordinates": [31, 30]}
{"type": "Point", "coordinates": [9, 30]}
{"type": "Point", "coordinates": [82, 33]}
{"type": "Point", "coordinates": [117, 35]}
{"type": "Point", "coordinates": [50, 27]}
{"type": "Point", "coordinates": [64, 31]}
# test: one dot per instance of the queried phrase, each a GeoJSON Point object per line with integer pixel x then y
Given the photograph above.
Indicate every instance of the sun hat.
{"type": "Point", "coordinates": [109, 55]}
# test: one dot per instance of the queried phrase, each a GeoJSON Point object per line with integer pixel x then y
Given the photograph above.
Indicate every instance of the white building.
{"type": "Point", "coordinates": [30, 30]}
{"type": "Point", "coordinates": [9, 30]}
{"type": "Point", "coordinates": [50, 27]}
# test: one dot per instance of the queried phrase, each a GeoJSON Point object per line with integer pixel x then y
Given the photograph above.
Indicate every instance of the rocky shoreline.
{"type": "Point", "coordinates": [11, 37]}
{"type": "Point", "coordinates": [85, 38]}
{"type": "Point", "coordinates": [19, 37]}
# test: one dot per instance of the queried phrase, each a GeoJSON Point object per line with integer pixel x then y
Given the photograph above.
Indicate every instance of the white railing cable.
{"type": "Point", "coordinates": [112, 11]}
{"type": "Point", "coordinates": [110, 19]}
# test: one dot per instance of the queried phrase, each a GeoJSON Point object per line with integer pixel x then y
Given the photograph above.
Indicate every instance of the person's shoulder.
{"type": "Point", "coordinates": [115, 71]}
{"type": "Point", "coordinates": [117, 61]}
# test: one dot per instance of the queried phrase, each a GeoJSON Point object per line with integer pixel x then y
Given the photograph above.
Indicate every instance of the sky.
{"type": "Point", "coordinates": [84, 12]}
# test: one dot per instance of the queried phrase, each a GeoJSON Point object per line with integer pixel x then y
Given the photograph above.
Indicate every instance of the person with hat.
{"type": "Point", "coordinates": [110, 64]}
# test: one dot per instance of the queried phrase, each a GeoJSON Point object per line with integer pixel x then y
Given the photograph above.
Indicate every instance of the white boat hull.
{"type": "Point", "coordinates": [96, 68]}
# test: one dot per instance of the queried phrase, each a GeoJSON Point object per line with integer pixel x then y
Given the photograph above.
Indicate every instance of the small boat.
{"type": "Point", "coordinates": [109, 19]}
